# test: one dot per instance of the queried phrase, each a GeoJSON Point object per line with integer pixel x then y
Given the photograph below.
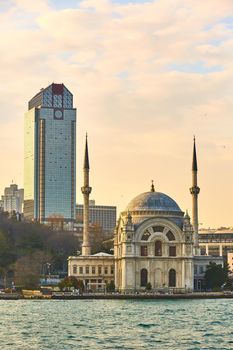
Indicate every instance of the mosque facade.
{"type": "Point", "coordinates": [155, 244]}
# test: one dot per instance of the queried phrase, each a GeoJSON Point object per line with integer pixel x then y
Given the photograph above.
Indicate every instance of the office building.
{"type": "Point", "coordinates": [100, 215]}
{"type": "Point", "coordinates": [50, 156]}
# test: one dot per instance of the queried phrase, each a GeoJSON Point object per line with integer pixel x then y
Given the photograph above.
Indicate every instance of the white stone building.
{"type": "Point", "coordinates": [96, 270]}
{"type": "Point", "coordinates": [153, 244]}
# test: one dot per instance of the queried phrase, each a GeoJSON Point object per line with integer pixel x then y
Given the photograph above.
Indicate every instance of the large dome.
{"type": "Point", "coordinates": [153, 201]}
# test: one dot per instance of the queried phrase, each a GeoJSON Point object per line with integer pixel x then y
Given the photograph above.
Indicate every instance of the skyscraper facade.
{"type": "Point", "coordinates": [50, 155]}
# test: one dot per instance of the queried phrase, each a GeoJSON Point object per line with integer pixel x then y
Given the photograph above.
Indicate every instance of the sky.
{"type": "Point", "coordinates": [146, 76]}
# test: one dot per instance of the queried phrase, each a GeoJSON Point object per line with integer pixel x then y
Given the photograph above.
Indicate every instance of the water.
{"type": "Point", "coordinates": [116, 324]}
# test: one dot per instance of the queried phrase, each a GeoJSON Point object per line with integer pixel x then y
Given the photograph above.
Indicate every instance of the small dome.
{"type": "Point", "coordinates": [153, 201]}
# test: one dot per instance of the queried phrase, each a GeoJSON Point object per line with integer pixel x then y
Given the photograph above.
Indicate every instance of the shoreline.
{"type": "Point", "coordinates": [144, 296]}
{"type": "Point", "coordinates": [187, 296]}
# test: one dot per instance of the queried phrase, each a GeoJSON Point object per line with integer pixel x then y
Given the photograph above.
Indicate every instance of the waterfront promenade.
{"type": "Point", "coordinates": [117, 296]}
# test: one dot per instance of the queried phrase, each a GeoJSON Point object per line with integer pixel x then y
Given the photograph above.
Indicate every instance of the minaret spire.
{"type": "Point", "coordinates": [86, 190]}
{"type": "Point", "coordinates": [86, 156]}
{"type": "Point", "coordinates": [194, 190]}
{"type": "Point", "coordinates": [194, 166]}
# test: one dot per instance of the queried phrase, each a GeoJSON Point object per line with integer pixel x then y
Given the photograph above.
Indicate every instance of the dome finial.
{"type": "Point", "coordinates": [152, 186]}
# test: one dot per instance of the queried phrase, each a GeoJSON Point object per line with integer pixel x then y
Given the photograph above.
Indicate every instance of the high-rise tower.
{"type": "Point", "coordinates": [50, 155]}
{"type": "Point", "coordinates": [194, 190]}
{"type": "Point", "coordinates": [86, 190]}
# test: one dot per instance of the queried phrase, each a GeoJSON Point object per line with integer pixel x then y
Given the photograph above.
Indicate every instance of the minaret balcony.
{"type": "Point", "coordinates": [86, 190]}
{"type": "Point", "coordinates": [195, 190]}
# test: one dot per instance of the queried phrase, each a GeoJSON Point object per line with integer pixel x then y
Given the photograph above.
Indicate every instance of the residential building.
{"type": "Point", "coordinates": [50, 156]}
{"type": "Point", "coordinates": [12, 200]}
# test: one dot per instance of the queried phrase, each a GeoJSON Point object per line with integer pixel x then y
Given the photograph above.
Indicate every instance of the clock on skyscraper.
{"type": "Point", "coordinates": [58, 113]}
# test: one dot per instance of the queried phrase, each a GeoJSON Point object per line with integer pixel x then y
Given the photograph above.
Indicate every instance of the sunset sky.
{"type": "Point", "coordinates": [146, 76]}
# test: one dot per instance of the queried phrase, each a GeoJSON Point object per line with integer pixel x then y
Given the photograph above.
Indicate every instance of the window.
{"type": "Point", "coordinates": [87, 270]}
{"type": "Point", "coordinates": [99, 270]}
{"type": "Point", "coordinates": [93, 270]}
{"type": "Point", "coordinates": [172, 251]}
{"type": "Point", "coordinates": [106, 270]}
{"type": "Point", "coordinates": [158, 228]}
{"type": "Point", "coordinates": [146, 235]}
{"type": "Point", "coordinates": [144, 251]}
{"type": "Point", "coordinates": [195, 269]}
{"type": "Point", "coordinates": [172, 278]}
{"type": "Point", "coordinates": [201, 269]}
{"type": "Point", "coordinates": [80, 270]}
{"type": "Point", "coordinates": [75, 269]}
{"type": "Point", "coordinates": [112, 269]}
{"type": "Point", "coordinates": [170, 236]}
{"type": "Point", "coordinates": [158, 248]}
{"type": "Point", "coordinates": [144, 274]}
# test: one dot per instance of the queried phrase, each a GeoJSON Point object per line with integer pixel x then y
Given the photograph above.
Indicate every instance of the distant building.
{"type": "Point", "coordinates": [230, 261]}
{"type": "Point", "coordinates": [216, 242]}
{"type": "Point", "coordinates": [50, 156]}
{"type": "Point", "coordinates": [96, 270]}
{"type": "Point", "coordinates": [12, 200]}
{"type": "Point", "coordinates": [200, 265]}
{"type": "Point", "coordinates": [101, 215]}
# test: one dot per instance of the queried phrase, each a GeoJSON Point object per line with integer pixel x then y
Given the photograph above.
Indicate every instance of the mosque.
{"type": "Point", "coordinates": [154, 242]}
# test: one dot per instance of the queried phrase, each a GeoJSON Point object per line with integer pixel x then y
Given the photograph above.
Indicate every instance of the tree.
{"type": "Point", "coordinates": [28, 270]}
{"type": "Point", "coordinates": [148, 286]}
{"type": "Point", "coordinates": [216, 275]}
{"type": "Point", "coordinates": [110, 287]}
{"type": "Point", "coordinates": [20, 239]}
{"type": "Point", "coordinates": [71, 282]}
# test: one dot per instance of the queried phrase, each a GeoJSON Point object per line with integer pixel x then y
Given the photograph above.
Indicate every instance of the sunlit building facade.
{"type": "Point", "coordinates": [50, 155]}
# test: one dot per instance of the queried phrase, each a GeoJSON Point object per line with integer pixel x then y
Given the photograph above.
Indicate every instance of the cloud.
{"type": "Point", "coordinates": [145, 77]}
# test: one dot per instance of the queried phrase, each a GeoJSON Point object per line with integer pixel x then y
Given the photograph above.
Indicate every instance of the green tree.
{"type": "Point", "coordinates": [71, 282]}
{"type": "Point", "coordinates": [216, 276]}
{"type": "Point", "coordinates": [110, 287]}
{"type": "Point", "coordinates": [148, 286]}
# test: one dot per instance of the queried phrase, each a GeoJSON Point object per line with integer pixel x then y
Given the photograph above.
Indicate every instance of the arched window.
{"type": "Point", "coordinates": [158, 228]}
{"type": "Point", "coordinates": [170, 236]}
{"type": "Point", "coordinates": [172, 278]}
{"type": "Point", "coordinates": [144, 274]}
{"type": "Point", "coordinates": [146, 235]}
{"type": "Point", "coordinates": [158, 248]}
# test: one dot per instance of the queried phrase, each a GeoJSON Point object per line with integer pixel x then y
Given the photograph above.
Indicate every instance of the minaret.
{"type": "Point", "coordinates": [194, 190]}
{"type": "Point", "coordinates": [86, 190]}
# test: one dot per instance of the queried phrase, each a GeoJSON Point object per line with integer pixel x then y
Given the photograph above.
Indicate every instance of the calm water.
{"type": "Point", "coordinates": [117, 324]}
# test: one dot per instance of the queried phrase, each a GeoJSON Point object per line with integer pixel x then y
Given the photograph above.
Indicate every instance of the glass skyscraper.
{"type": "Point", "coordinates": [50, 155]}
